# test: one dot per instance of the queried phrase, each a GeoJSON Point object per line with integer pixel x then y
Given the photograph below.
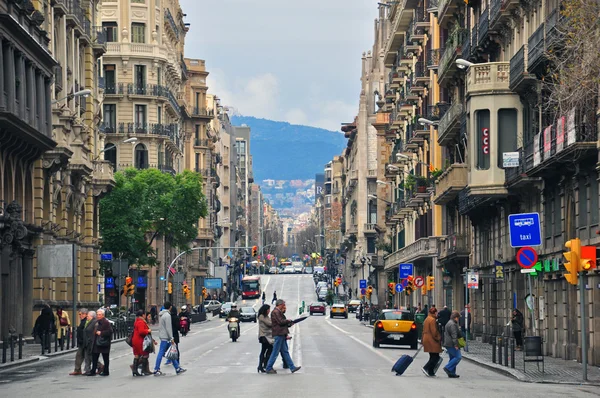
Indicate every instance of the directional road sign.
{"type": "Point", "coordinates": [419, 281]}
{"type": "Point", "coordinates": [363, 284]}
{"type": "Point", "coordinates": [525, 230]}
{"type": "Point", "coordinates": [405, 270]}
{"type": "Point", "coordinates": [527, 257]}
{"type": "Point", "coordinates": [399, 287]}
{"type": "Point", "coordinates": [106, 257]}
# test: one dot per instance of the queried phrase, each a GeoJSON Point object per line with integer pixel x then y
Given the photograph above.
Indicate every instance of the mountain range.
{"type": "Point", "coordinates": [284, 151]}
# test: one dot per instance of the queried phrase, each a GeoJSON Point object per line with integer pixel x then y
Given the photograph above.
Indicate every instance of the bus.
{"type": "Point", "coordinates": [251, 287]}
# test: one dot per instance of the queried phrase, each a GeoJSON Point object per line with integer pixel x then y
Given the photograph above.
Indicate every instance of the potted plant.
{"type": "Point", "coordinates": [436, 173]}
{"type": "Point", "coordinates": [422, 183]}
{"type": "Point", "coordinates": [409, 182]}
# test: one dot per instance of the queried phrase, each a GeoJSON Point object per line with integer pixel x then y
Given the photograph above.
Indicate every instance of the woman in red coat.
{"type": "Point", "coordinates": [140, 330]}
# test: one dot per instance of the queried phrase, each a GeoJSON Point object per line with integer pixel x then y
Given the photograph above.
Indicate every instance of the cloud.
{"type": "Point", "coordinates": [296, 116]}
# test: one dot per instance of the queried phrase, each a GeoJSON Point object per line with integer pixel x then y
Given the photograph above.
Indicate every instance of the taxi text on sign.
{"type": "Point", "coordinates": [525, 229]}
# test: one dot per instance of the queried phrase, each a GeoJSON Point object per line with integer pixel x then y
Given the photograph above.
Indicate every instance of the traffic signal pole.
{"type": "Point", "coordinates": [584, 360]}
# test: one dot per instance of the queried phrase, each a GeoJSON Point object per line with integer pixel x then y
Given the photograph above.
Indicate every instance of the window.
{"type": "Point", "coordinates": [159, 76]}
{"type": "Point", "coordinates": [483, 143]}
{"type": "Point", "coordinates": [159, 114]}
{"type": "Point", "coordinates": [140, 79]}
{"type": "Point", "coordinates": [141, 157]}
{"type": "Point", "coordinates": [594, 210]}
{"type": "Point", "coordinates": [110, 118]}
{"type": "Point", "coordinates": [110, 154]}
{"type": "Point", "coordinates": [582, 218]}
{"type": "Point", "coordinates": [198, 162]}
{"type": "Point", "coordinates": [140, 117]}
{"type": "Point", "coordinates": [112, 30]}
{"type": "Point", "coordinates": [507, 132]}
{"type": "Point", "coordinates": [197, 132]}
{"type": "Point", "coordinates": [110, 80]}
{"type": "Point", "coordinates": [138, 32]}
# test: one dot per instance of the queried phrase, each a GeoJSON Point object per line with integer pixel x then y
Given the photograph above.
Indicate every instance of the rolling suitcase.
{"type": "Point", "coordinates": [404, 362]}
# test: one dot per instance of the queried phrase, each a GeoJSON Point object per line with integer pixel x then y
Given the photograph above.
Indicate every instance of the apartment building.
{"type": "Point", "coordinates": [244, 174]}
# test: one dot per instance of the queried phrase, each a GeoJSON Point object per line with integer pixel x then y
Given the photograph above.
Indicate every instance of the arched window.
{"type": "Point", "coordinates": [110, 154]}
{"type": "Point", "coordinates": [141, 156]}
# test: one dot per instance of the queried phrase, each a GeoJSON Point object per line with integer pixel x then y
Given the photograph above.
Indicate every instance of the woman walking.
{"type": "Point", "coordinates": [101, 343]}
{"type": "Point", "coordinates": [140, 357]}
{"type": "Point", "coordinates": [62, 323]}
{"type": "Point", "coordinates": [517, 328]}
{"type": "Point", "coordinates": [265, 337]}
{"type": "Point", "coordinates": [431, 342]}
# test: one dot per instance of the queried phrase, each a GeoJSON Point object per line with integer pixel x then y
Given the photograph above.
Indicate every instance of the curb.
{"type": "Point", "coordinates": [524, 379]}
{"type": "Point", "coordinates": [17, 363]}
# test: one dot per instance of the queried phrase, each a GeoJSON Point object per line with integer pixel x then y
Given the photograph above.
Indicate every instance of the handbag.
{"type": "Point", "coordinates": [102, 341]}
{"type": "Point", "coordinates": [63, 321]}
{"type": "Point", "coordinates": [172, 353]}
{"type": "Point", "coordinates": [129, 339]}
{"type": "Point", "coordinates": [461, 342]}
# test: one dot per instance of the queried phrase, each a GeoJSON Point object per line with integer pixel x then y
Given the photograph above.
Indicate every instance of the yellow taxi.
{"type": "Point", "coordinates": [338, 309]}
{"type": "Point", "coordinates": [395, 327]}
{"type": "Point", "coordinates": [353, 305]}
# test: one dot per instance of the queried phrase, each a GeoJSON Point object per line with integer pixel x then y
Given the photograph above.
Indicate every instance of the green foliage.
{"type": "Point", "coordinates": [436, 173]}
{"type": "Point", "coordinates": [148, 203]}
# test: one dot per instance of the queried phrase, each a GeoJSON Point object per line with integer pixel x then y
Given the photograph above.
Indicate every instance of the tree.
{"type": "Point", "coordinates": [147, 203]}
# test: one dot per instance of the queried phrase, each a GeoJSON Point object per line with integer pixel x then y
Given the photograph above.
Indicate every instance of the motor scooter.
{"type": "Point", "coordinates": [234, 329]}
{"type": "Point", "coordinates": [184, 325]}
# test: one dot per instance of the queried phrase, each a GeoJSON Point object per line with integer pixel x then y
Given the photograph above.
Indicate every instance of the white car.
{"type": "Point", "coordinates": [273, 270]}
{"type": "Point", "coordinates": [288, 270]}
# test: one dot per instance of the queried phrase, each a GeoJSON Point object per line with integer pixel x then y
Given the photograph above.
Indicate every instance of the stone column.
{"type": "Point", "coordinates": [13, 292]}
{"type": "Point", "coordinates": [48, 107]}
{"type": "Point", "coordinates": [31, 97]}
{"type": "Point", "coordinates": [39, 81]}
{"type": "Point", "coordinates": [27, 274]}
{"type": "Point", "coordinates": [22, 76]}
{"type": "Point", "coordinates": [9, 66]}
{"type": "Point", "coordinates": [18, 285]}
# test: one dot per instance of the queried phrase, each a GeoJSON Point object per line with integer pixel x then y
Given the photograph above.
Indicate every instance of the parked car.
{"type": "Point", "coordinates": [225, 308]}
{"type": "Point", "coordinates": [316, 308]}
{"type": "Point", "coordinates": [322, 294]}
{"type": "Point", "coordinates": [248, 314]}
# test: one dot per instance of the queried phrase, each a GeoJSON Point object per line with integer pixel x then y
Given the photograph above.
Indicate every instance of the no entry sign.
{"type": "Point", "coordinates": [527, 257]}
{"type": "Point", "coordinates": [419, 281]}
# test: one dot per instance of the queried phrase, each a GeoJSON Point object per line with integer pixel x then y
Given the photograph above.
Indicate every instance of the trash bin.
{"type": "Point", "coordinates": [419, 320]}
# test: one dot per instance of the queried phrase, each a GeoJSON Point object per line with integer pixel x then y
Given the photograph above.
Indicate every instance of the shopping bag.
{"type": "Point", "coordinates": [148, 343]}
{"type": "Point", "coordinates": [172, 353]}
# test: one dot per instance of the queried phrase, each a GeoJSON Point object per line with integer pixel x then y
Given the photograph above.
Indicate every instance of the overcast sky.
{"type": "Point", "coordinates": [296, 61]}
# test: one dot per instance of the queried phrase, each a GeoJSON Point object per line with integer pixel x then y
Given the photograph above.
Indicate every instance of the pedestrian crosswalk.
{"type": "Point", "coordinates": [316, 370]}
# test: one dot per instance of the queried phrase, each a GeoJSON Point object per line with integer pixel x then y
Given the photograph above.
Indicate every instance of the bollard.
{"type": "Point", "coordinates": [43, 342]}
{"type": "Point", "coordinates": [512, 353]}
{"type": "Point", "coordinates": [68, 337]}
{"type": "Point", "coordinates": [506, 354]}
{"type": "Point", "coordinates": [12, 348]}
{"type": "Point", "coordinates": [20, 346]}
{"type": "Point", "coordinates": [500, 341]}
{"type": "Point", "coordinates": [494, 339]}
{"type": "Point", "coordinates": [73, 338]}
{"type": "Point", "coordinates": [4, 350]}
{"type": "Point", "coordinates": [55, 342]}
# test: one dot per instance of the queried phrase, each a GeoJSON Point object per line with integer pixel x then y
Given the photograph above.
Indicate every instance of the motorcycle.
{"type": "Point", "coordinates": [184, 325]}
{"type": "Point", "coordinates": [234, 329]}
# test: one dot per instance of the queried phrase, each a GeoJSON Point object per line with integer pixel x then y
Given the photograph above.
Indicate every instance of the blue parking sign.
{"type": "Point", "coordinates": [525, 230]}
{"type": "Point", "coordinates": [405, 270]}
{"type": "Point", "coordinates": [363, 284]}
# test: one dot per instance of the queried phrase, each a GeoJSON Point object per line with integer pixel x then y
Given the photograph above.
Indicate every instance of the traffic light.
{"type": "Point", "coordinates": [369, 292]}
{"type": "Point", "coordinates": [186, 291]}
{"type": "Point", "coordinates": [392, 288]}
{"type": "Point", "coordinates": [424, 290]}
{"type": "Point", "coordinates": [131, 290]}
{"type": "Point", "coordinates": [573, 257]}
{"type": "Point", "coordinates": [430, 283]}
{"type": "Point", "coordinates": [410, 285]}
{"type": "Point", "coordinates": [254, 251]}
{"type": "Point", "coordinates": [127, 286]}
{"type": "Point", "coordinates": [204, 292]}
{"type": "Point", "coordinates": [335, 283]}
{"type": "Point", "coordinates": [170, 289]}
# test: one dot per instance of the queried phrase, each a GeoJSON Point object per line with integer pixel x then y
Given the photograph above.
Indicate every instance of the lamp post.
{"type": "Point", "coordinates": [132, 140]}
{"type": "Point", "coordinates": [82, 93]}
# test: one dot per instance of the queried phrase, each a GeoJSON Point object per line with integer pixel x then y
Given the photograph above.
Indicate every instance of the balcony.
{"type": "Point", "coordinates": [468, 203]}
{"type": "Point", "coordinates": [112, 89]}
{"type": "Point", "coordinates": [167, 169]}
{"type": "Point", "coordinates": [450, 183]}
{"type": "Point", "coordinates": [535, 46]}
{"type": "Point", "coordinates": [433, 60]}
{"type": "Point", "coordinates": [484, 26]}
{"type": "Point", "coordinates": [370, 229]}
{"type": "Point", "coordinates": [437, 111]}
{"type": "Point", "coordinates": [520, 79]}
{"type": "Point", "coordinates": [171, 23]}
{"type": "Point", "coordinates": [184, 68]}
{"type": "Point", "coordinates": [353, 174]}
{"type": "Point", "coordinates": [516, 177]}
{"type": "Point", "coordinates": [98, 41]}
{"type": "Point", "coordinates": [446, 10]}
{"type": "Point", "coordinates": [203, 113]}
{"type": "Point", "coordinates": [103, 178]}
{"type": "Point", "coordinates": [450, 124]}
{"type": "Point", "coordinates": [206, 234]}
{"type": "Point", "coordinates": [418, 250]}
{"type": "Point", "coordinates": [456, 246]}
{"type": "Point", "coordinates": [488, 78]}
{"type": "Point", "coordinates": [58, 78]}
{"type": "Point", "coordinates": [452, 49]}
{"type": "Point", "coordinates": [400, 14]}
{"type": "Point", "coordinates": [421, 74]}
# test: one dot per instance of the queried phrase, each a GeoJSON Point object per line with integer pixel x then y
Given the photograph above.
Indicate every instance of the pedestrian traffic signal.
{"type": "Point", "coordinates": [430, 283]}
{"type": "Point", "coordinates": [127, 291]}
{"type": "Point", "coordinates": [254, 251]}
{"type": "Point", "coordinates": [392, 288]}
{"type": "Point", "coordinates": [170, 288]}
{"type": "Point", "coordinates": [573, 257]}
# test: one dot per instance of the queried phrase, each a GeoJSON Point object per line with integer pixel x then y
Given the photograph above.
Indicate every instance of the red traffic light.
{"type": "Point", "coordinates": [128, 280]}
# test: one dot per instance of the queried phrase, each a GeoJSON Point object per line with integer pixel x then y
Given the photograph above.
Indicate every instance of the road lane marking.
{"type": "Point", "coordinates": [362, 343]}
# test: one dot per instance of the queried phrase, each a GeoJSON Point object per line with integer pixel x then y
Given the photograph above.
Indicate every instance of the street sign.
{"type": "Point", "coordinates": [527, 270]}
{"type": "Point", "coordinates": [109, 282]}
{"type": "Point", "coordinates": [510, 159]}
{"type": "Point", "coordinates": [525, 230]}
{"type": "Point", "coordinates": [404, 282]}
{"type": "Point", "coordinates": [399, 287]}
{"type": "Point", "coordinates": [363, 284]}
{"type": "Point", "coordinates": [473, 280]}
{"type": "Point", "coordinates": [405, 270]}
{"type": "Point", "coordinates": [419, 281]}
{"type": "Point", "coordinates": [106, 257]}
{"type": "Point", "coordinates": [499, 272]}
{"type": "Point", "coordinates": [527, 257]}
{"type": "Point", "coordinates": [363, 291]}
{"type": "Point", "coordinates": [213, 283]}
{"type": "Point", "coordinates": [142, 282]}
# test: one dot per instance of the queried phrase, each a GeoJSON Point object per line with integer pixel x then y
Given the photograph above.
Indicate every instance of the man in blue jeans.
{"type": "Point", "coordinates": [165, 333]}
{"type": "Point", "coordinates": [280, 332]}
{"type": "Point", "coordinates": [451, 335]}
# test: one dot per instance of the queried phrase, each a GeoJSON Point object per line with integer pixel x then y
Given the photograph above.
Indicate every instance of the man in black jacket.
{"type": "Point", "coordinates": [443, 318]}
{"type": "Point", "coordinates": [80, 356]}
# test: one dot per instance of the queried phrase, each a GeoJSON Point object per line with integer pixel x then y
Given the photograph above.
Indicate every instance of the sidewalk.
{"type": "Point", "coordinates": [556, 370]}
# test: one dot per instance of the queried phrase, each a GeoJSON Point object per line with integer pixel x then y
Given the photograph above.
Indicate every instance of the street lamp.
{"type": "Point", "coordinates": [371, 196]}
{"type": "Point", "coordinates": [132, 140]}
{"type": "Point", "coordinates": [82, 93]}
{"type": "Point", "coordinates": [463, 63]}
{"type": "Point", "coordinates": [426, 122]}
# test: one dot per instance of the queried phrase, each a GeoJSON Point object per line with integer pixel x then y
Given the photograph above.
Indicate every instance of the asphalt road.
{"type": "Point", "coordinates": [336, 355]}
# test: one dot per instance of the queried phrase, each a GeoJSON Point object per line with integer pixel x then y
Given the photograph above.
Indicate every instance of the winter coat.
{"type": "Point", "coordinates": [103, 326]}
{"type": "Point", "coordinates": [451, 334]}
{"type": "Point", "coordinates": [431, 335]}
{"type": "Point", "coordinates": [165, 327]}
{"type": "Point", "coordinates": [280, 323]}
{"type": "Point", "coordinates": [444, 316]}
{"type": "Point", "coordinates": [517, 322]}
{"type": "Point", "coordinates": [265, 328]}
{"type": "Point", "coordinates": [44, 322]}
{"type": "Point", "coordinates": [88, 334]}
{"type": "Point", "coordinates": [175, 326]}
{"type": "Point", "coordinates": [140, 330]}
{"type": "Point", "coordinates": [61, 330]}
{"type": "Point", "coordinates": [81, 333]}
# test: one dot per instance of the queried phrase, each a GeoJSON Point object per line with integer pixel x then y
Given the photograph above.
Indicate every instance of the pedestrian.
{"type": "Point", "coordinates": [153, 314]}
{"type": "Point", "coordinates": [517, 328]}
{"type": "Point", "coordinates": [443, 318]}
{"type": "Point", "coordinates": [45, 325]}
{"type": "Point", "coordinates": [80, 356]}
{"type": "Point", "coordinates": [265, 337]}
{"type": "Point", "coordinates": [101, 345]}
{"type": "Point", "coordinates": [451, 335]}
{"type": "Point", "coordinates": [140, 357]}
{"type": "Point", "coordinates": [264, 298]}
{"type": "Point", "coordinates": [62, 324]}
{"type": "Point", "coordinates": [88, 342]}
{"type": "Point", "coordinates": [165, 333]}
{"type": "Point", "coordinates": [176, 328]}
{"type": "Point", "coordinates": [280, 334]}
{"type": "Point", "coordinates": [274, 297]}
{"type": "Point", "coordinates": [425, 310]}
{"type": "Point", "coordinates": [465, 315]}
{"type": "Point", "coordinates": [432, 342]}
{"type": "Point", "coordinates": [419, 309]}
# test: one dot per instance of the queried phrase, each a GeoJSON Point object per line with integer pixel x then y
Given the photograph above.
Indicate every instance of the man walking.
{"type": "Point", "coordinates": [443, 318]}
{"type": "Point", "coordinates": [80, 356]}
{"type": "Point", "coordinates": [451, 336]}
{"type": "Point", "coordinates": [274, 297]}
{"type": "Point", "coordinates": [165, 334]}
{"type": "Point", "coordinates": [280, 332]}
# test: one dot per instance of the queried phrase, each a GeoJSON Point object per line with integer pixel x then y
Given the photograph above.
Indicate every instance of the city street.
{"type": "Point", "coordinates": [335, 354]}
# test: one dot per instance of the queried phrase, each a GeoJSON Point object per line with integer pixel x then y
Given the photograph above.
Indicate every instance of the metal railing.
{"type": "Point", "coordinates": [112, 89]}
{"type": "Point", "coordinates": [449, 117]}
{"type": "Point", "coordinates": [99, 35]}
{"type": "Point", "coordinates": [433, 60]}
{"type": "Point", "coordinates": [172, 23]}
{"type": "Point", "coordinates": [496, 7]}
{"type": "Point", "coordinates": [517, 66]}
{"type": "Point", "coordinates": [200, 111]}
{"type": "Point", "coordinates": [437, 111]}
{"type": "Point", "coordinates": [455, 41]}
{"type": "Point", "coordinates": [484, 25]}
{"type": "Point", "coordinates": [58, 77]}
{"type": "Point", "coordinates": [535, 46]}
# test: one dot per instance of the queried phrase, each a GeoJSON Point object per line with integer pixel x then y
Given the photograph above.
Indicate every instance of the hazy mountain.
{"type": "Point", "coordinates": [283, 151]}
